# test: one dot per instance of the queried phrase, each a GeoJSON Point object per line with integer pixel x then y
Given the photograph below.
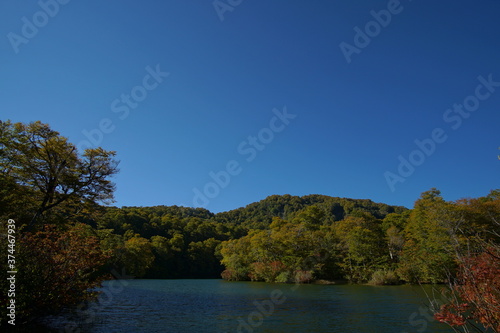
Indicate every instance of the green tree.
{"type": "Point", "coordinates": [237, 256]}
{"type": "Point", "coordinates": [46, 171]}
{"type": "Point", "coordinates": [203, 262]}
{"type": "Point", "coordinates": [286, 252]}
{"type": "Point", "coordinates": [162, 266]}
{"type": "Point", "coordinates": [360, 241]}
{"type": "Point", "coordinates": [138, 256]}
{"type": "Point", "coordinates": [46, 186]}
{"type": "Point", "coordinates": [312, 217]}
{"type": "Point", "coordinates": [428, 254]}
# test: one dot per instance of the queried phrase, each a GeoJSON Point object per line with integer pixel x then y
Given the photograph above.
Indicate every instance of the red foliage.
{"type": "Point", "coordinates": [276, 267]}
{"type": "Point", "coordinates": [303, 276]}
{"type": "Point", "coordinates": [267, 271]}
{"type": "Point", "coordinates": [478, 292]}
{"type": "Point", "coordinates": [452, 314]}
{"type": "Point", "coordinates": [228, 275]}
{"type": "Point", "coordinates": [59, 269]}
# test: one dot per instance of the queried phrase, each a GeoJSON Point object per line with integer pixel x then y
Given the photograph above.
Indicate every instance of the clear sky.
{"type": "Point", "coordinates": [267, 97]}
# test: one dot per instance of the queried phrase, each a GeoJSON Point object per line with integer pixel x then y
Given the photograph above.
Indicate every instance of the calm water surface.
{"type": "Point", "coordinates": [220, 306]}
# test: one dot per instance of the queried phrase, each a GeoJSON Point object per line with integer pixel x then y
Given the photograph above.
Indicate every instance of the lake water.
{"type": "Point", "coordinates": [220, 306]}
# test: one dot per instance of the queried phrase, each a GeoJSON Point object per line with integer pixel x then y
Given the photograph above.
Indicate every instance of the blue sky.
{"type": "Point", "coordinates": [267, 92]}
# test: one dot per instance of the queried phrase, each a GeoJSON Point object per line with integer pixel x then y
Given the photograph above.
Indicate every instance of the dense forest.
{"type": "Point", "coordinates": [69, 235]}
{"type": "Point", "coordinates": [180, 242]}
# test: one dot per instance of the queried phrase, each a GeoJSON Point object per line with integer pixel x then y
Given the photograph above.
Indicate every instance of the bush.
{"type": "Point", "coordinates": [476, 294]}
{"type": "Point", "coordinates": [229, 275]}
{"type": "Point", "coordinates": [266, 271]}
{"type": "Point", "coordinates": [283, 277]}
{"type": "Point", "coordinates": [383, 277]}
{"type": "Point", "coordinates": [57, 269]}
{"type": "Point", "coordinates": [303, 276]}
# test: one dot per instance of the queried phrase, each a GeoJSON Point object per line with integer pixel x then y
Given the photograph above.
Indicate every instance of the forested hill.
{"type": "Point", "coordinates": [177, 242]}
{"type": "Point", "coordinates": [256, 215]}
{"type": "Point", "coordinates": [259, 214]}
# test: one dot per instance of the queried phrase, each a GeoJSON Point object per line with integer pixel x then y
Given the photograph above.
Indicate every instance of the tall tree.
{"type": "Point", "coordinates": [429, 252]}
{"type": "Point", "coordinates": [361, 244]}
{"type": "Point", "coordinates": [39, 164]}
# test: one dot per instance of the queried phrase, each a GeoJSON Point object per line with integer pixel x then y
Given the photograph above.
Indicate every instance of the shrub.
{"type": "Point", "coordinates": [283, 277]}
{"type": "Point", "coordinates": [57, 269]}
{"type": "Point", "coordinates": [303, 276]}
{"type": "Point", "coordinates": [266, 271]}
{"type": "Point", "coordinates": [383, 277]}
{"type": "Point", "coordinates": [476, 293]}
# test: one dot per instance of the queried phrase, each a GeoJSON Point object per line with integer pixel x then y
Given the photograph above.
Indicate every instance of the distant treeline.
{"type": "Point", "coordinates": [180, 242]}
{"type": "Point", "coordinates": [286, 238]}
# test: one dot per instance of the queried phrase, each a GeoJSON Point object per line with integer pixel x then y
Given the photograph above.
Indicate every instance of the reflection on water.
{"type": "Point", "coordinates": [220, 306]}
